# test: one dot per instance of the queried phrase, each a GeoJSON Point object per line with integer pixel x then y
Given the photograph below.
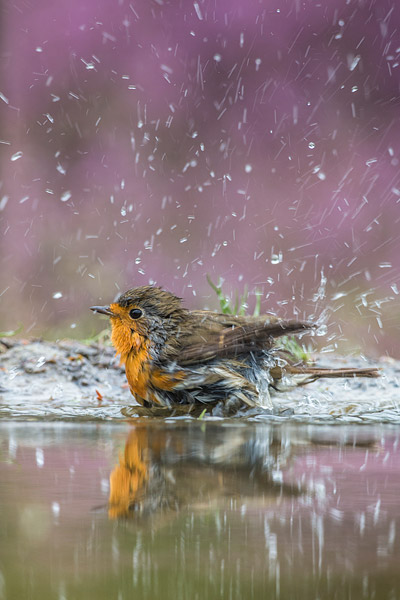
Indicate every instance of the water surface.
{"type": "Point", "coordinates": [193, 509]}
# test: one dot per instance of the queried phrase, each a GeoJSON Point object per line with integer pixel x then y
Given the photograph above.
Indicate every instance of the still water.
{"type": "Point", "coordinates": [199, 509]}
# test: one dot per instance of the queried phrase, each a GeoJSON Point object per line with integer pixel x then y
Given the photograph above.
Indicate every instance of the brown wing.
{"type": "Point", "coordinates": [225, 336]}
{"type": "Point", "coordinates": [229, 320]}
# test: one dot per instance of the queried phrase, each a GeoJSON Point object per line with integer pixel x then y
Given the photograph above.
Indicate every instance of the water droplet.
{"type": "Point", "coordinates": [65, 196]}
{"type": "Point", "coordinates": [276, 258]}
{"type": "Point", "coordinates": [123, 211]}
{"type": "Point", "coordinates": [39, 457]}
{"type": "Point", "coordinates": [371, 161]}
{"type": "Point", "coordinates": [217, 57]}
{"type": "Point", "coordinates": [55, 507]}
{"type": "Point", "coordinates": [3, 202]}
{"type": "Point", "coordinates": [40, 362]}
{"type": "Point", "coordinates": [57, 295]}
{"type": "Point", "coordinates": [138, 261]}
{"type": "Point", "coordinates": [16, 156]}
{"type": "Point", "coordinates": [322, 330]}
{"type": "Point", "coordinates": [311, 145]}
{"type": "Point", "coordinates": [198, 11]}
{"type": "Point", "coordinates": [353, 61]}
{"type": "Point", "coordinates": [248, 168]}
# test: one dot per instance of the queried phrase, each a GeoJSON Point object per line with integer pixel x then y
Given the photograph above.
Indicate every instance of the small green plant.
{"type": "Point", "coordinates": [240, 307]}
{"type": "Point", "coordinates": [290, 344]}
{"type": "Point", "coordinates": [5, 334]}
{"type": "Point", "coordinates": [298, 352]}
{"type": "Point", "coordinates": [201, 415]}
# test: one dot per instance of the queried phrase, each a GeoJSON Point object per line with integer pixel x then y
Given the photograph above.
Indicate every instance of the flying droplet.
{"type": "Point", "coordinates": [353, 61]}
{"type": "Point", "coordinates": [276, 258]}
{"type": "Point", "coordinates": [16, 156]}
{"type": "Point", "coordinates": [65, 196]}
{"type": "Point", "coordinates": [322, 330]}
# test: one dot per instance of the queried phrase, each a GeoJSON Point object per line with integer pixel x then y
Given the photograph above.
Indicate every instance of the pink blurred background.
{"type": "Point", "coordinates": [157, 141]}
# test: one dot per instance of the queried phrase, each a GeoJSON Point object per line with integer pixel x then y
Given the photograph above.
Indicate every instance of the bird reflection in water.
{"type": "Point", "coordinates": [166, 470]}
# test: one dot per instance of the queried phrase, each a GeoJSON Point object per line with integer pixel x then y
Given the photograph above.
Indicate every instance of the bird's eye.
{"type": "Point", "coordinates": [135, 313]}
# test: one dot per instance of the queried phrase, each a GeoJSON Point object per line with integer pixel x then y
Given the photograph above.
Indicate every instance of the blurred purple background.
{"type": "Point", "coordinates": [157, 141]}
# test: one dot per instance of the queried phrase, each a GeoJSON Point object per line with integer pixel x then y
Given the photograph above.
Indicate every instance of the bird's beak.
{"type": "Point", "coordinates": [103, 310]}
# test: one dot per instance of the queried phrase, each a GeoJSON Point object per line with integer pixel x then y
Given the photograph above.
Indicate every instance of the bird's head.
{"type": "Point", "coordinates": [142, 315]}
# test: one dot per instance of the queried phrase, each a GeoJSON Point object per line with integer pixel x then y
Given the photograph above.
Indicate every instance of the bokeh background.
{"type": "Point", "coordinates": [156, 141]}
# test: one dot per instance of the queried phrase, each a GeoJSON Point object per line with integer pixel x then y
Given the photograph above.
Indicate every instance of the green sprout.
{"type": "Point", "coordinates": [201, 415]}
{"type": "Point", "coordinates": [6, 334]}
{"type": "Point", "coordinates": [298, 352]}
{"type": "Point", "coordinates": [240, 307]}
{"type": "Point", "coordinates": [290, 344]}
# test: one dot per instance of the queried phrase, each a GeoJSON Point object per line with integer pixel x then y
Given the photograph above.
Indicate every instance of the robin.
{"type": "Point", "coordinates": [173, 355]}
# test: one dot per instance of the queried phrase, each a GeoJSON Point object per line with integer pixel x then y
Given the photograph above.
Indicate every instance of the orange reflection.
{"type": "Point", "coordinates": [127, 480]}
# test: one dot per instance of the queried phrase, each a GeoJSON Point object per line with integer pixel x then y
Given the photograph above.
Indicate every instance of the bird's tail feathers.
{"type": "Point", "coordinates": [281, 328]}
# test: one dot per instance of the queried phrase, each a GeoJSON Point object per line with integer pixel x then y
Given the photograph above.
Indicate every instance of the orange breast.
{"type": "Point", "coordinates": [137, 368]}
{"type": "Point", "coordinates": [123, 338]}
